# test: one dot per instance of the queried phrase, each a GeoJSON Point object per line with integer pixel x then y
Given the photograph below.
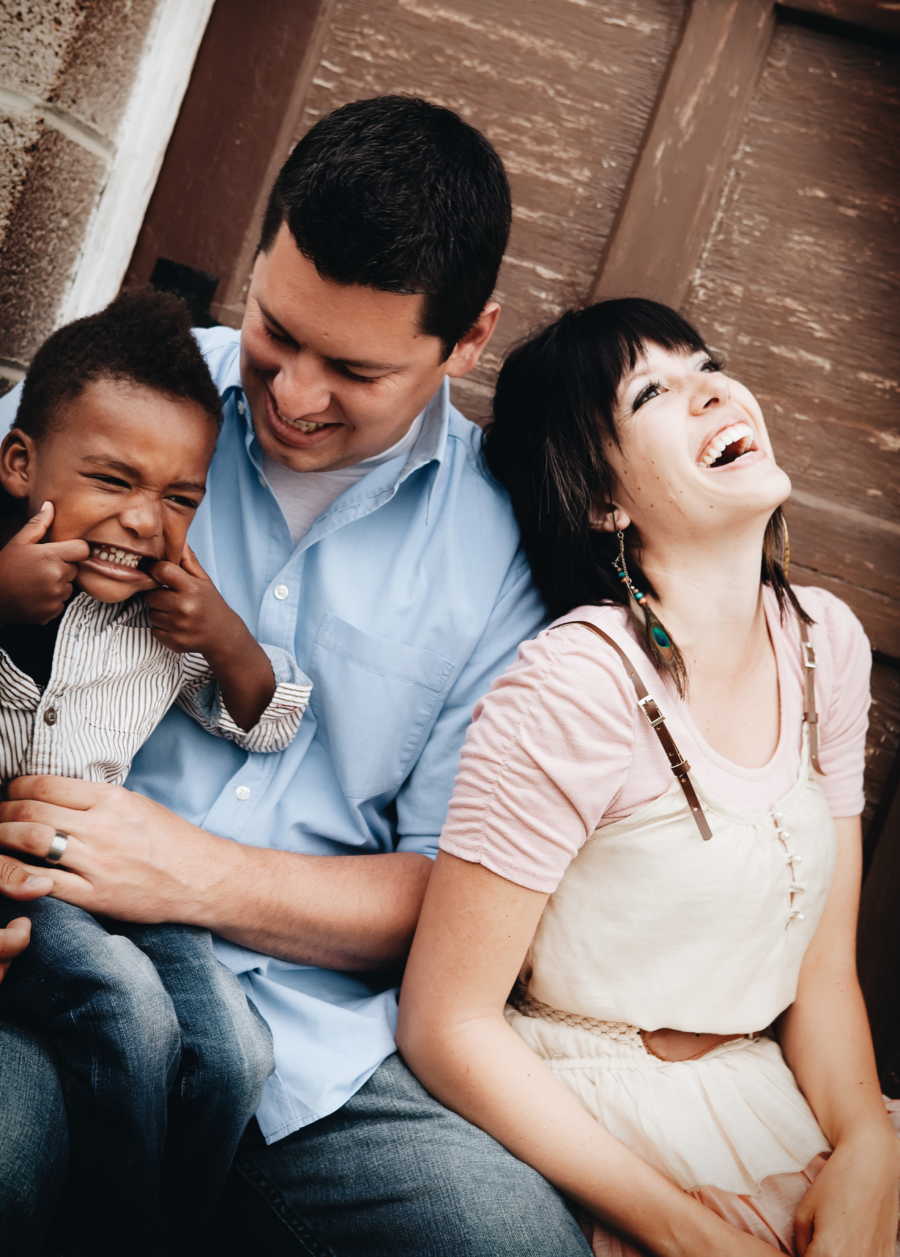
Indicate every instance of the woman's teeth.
{"type": "Point", "coordinates": [739, 434]}
{"type": "Point", "coordinates": [111, 554]}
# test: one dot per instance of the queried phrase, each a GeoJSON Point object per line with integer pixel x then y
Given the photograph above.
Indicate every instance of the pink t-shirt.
{"type": "Point", "coordinates": [559, 746]}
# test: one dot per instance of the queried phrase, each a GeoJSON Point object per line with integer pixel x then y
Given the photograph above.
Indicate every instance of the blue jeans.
{"type": "Point", "coordinates": [162, 1061]}
{"type": "Point", "coordinates": [391, 1174]}
{"type": "Point", "coordinates": [33, 1142]}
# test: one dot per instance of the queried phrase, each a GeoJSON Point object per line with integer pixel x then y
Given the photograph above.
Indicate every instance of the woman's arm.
{"type": "Point", "coordinates": [852, 1206]}
{"type": "Point", "coordinates": [472, 937]}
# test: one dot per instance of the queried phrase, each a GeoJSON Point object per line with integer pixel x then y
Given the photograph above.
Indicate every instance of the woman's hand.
{"type": "Point", "coordinates": [851, 1208]}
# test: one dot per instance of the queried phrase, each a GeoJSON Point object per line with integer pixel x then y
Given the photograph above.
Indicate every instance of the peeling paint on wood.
{"type": "Point", "coordinates": [564, 90]}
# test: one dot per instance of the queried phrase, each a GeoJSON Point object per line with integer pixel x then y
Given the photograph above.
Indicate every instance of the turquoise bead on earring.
{"type": "Point", "coordinates": [660, 647]}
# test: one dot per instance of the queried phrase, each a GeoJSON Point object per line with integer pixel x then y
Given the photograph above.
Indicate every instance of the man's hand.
{"type": "Point", "coordinates": [126, 857]}
{"type": "Point", "coordinates": [18, 881]}
{"type": "Point", "coordinates": [189, 613]}
{"type": "Point", "coordinates": [36, 579]}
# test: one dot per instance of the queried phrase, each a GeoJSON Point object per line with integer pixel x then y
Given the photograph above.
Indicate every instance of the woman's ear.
{"type": "Point", "coordinates": [17, 463]}
{"type": "Point", "coordinates": [610, 518]}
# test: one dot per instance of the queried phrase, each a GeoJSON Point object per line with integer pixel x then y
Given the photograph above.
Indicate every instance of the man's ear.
{"type": "Point", "coordinates": [610, 518]}
{"type": "Point", "coordinates": [17, 463]}
{"type": "Point", "coordinates": [468, 348]}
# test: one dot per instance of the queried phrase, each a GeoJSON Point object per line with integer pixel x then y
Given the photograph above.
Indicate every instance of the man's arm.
{"type": "Point", "coordinates": [131, 858]}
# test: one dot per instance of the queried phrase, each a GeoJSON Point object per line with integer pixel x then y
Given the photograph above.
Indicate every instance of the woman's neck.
{"type": "Point", "coordinates": [710, 599]}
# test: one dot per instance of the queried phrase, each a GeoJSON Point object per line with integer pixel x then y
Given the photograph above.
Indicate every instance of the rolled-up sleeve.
{"type": "Point", "coordinates": [277, 725]}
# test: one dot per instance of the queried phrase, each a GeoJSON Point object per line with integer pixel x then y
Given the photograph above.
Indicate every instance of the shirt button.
{"type": "Point", "coordinates": [242, 406]}
{"type": "Point", "coordinates": [242, 792]}
{"type": "Point", "coordinates": [281, 592]}
{"type": "Point", "coordinates": [50, 716]}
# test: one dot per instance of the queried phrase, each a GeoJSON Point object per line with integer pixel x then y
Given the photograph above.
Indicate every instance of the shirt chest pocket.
{"type": "Point", "coordinates": [375, 700]}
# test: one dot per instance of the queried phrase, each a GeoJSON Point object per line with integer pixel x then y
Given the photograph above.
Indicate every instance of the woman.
{"type": "Point", "coordinates": [658, 915]}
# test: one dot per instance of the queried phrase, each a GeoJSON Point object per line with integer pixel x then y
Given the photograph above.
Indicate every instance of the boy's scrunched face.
{"type": "Point", "coordinates": [125, 468]}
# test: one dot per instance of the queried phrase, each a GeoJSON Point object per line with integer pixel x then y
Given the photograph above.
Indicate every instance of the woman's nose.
{"type": "Point", "coordinates": [709, 389]}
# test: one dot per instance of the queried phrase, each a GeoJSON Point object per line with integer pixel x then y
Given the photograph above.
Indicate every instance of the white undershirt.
{"type": "Point", "coordinates": [304, 495]}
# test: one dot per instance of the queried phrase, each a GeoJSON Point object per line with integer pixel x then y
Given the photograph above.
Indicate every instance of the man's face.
{"type": "Point", "coordinates": [336, 373]}
{"type": "Point", "coordinates": [125, 468]}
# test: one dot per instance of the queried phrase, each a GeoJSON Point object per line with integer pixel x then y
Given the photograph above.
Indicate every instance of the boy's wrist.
{"type": "Point", "coordinates": [232, 640]}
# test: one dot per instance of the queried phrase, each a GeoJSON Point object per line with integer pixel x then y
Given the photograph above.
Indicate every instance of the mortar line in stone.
{"type": "Point", "coordinates": [20, 103]}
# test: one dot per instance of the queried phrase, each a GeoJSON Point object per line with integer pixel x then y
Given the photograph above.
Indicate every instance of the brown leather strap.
{"type": "Point", "coordinates": [679, 765]}
{"type": "Point", "coordinates": [810, 715]}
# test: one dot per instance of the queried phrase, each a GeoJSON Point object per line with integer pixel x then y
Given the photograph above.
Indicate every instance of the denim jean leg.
{"type": "Point", "coordinates": [392, 1174]}
{"type": "Point", "coordinates": [33, 1141]}
{"type": "Point", "coordinates": [226, 1057]}
{"type": "Point", "coordinates": [99, 1004]}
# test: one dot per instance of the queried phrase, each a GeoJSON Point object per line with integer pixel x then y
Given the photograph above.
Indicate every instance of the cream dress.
{"type": "Point", "coordinates": [653, 926]}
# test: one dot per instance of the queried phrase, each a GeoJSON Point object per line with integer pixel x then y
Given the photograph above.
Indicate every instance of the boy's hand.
{"type": "Point", "coordinates": [36, 579]}
{"type": "Point", "coordinates": [189, 613]}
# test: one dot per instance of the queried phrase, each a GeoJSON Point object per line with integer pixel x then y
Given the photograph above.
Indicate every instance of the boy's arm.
{"type": "Point", "coordinates": [260, 695]}
{"type": "Point", "coordinates": [257, 701]}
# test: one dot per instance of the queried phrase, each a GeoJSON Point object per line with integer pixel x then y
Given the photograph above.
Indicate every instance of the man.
{"type": "Point", "coordinates": [348, 520]}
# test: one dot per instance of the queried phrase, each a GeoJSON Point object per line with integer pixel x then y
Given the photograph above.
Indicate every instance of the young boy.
{"type": "Point", "coordinates": [106, 618]}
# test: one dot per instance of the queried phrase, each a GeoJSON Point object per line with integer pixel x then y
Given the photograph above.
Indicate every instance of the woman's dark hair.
{"type": "Point", "coordinates": [143, 337]}
{"type": "Point", "coordinates": [398, 194]}
{"type": "Point", "coordinates": [553, 409]}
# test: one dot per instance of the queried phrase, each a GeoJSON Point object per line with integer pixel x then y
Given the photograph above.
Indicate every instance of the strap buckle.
{"type": "Point", "coordinates": [649, 706]}
{"type": "Point", "coordinates": [809, 655]}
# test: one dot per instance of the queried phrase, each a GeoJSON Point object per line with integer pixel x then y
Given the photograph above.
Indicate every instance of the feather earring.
{"type": "Point", "coordinates": [660, 646]}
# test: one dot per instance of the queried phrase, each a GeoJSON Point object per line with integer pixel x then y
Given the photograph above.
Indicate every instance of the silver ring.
{"type": "Point", "coordinates": [58, 844]}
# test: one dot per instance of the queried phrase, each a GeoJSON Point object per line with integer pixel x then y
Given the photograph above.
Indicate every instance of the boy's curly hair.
{"type": "Point", "coordinates": [143, 338]}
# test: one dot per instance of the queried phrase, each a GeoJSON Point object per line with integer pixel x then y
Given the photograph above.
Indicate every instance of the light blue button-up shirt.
{"type": "Point", "coordinates": [403, 601]}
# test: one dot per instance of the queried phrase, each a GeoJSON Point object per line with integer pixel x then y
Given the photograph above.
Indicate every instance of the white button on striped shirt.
{"type": "Point", "coordinates": [111, 684]}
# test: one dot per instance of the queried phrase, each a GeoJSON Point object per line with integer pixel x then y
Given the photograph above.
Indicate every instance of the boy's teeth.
{"type": "Point", "coordinates": [109, 554]}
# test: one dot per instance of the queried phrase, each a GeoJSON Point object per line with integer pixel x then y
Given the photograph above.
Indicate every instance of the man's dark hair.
{"type": "Point", "coordinates": [143, 337]}
{"type": "Point", "coordinates": [398, 194]}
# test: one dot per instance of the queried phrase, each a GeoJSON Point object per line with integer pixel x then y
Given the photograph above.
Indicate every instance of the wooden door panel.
{"type": "Point", "coordinates": [564, 91]}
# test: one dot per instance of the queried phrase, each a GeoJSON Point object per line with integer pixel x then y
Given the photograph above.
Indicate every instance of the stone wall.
{"type": "Point", "coordinates": [66, 70]}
